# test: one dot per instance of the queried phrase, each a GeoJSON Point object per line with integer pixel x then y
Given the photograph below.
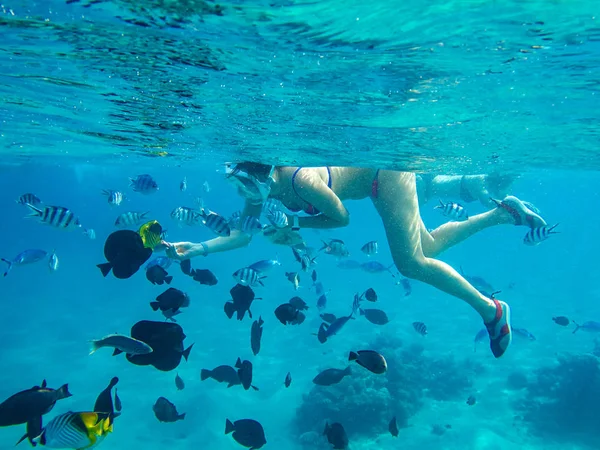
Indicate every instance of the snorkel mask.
{"type": "Point", "coordinates": [255, 191]}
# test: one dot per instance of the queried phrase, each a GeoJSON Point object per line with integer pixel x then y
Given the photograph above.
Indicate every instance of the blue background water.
{"type": "Point", "coordinates": [49, 317]}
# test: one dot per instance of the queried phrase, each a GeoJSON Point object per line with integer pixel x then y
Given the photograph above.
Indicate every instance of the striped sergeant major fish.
{"type": "Point", "coordinates": [235, 220]}
{"type": "Point", "coordinates": [251, 225]}
{"type": "Point", "coordinates": [540, 234]}
{"type": "Point", "coordinates": [29, 199]}
{"type": "Point", "coordinates": [370, 248]}
{"type": "Point", "coordinates": [248, 277]}
{"type": "Point", "coordinates": [55, 216]}
{"type": "Point", "coordinates": [187, 216]}
{"type": "Point", "coordinates": [144, 184]}
{"type": "Point", "coordinates": [76, 430]}
{"type": "Point", "coordinates": [452, 210]}
{"type": "Point", "coordinates": [130, 219]}
{"type": "Point", "coordinates": [213, 221]}
{"type": "Point", "coordinates": [114, 197]}
{"type": "Point", "coordinates": [277, 218]}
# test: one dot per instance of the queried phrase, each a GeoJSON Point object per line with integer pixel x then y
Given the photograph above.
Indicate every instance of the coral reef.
{"type": "Point", "coordinates": [364, 403]}
{"type": "Point", "coordinates": [562, 402]}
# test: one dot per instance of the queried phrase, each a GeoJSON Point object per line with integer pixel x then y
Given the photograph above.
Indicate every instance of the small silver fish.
{"type": "Point", "coordinates": [53, 261]}
{"type": "Point", "coordinates": [26, 257]}
{"type": "Point", "coordinates": [265, 265]}
{"type": "Point", "coordinates": [452, 210]}
{"type": "Point", "coordinates": [540, 234]}
{"type": "Point", "coordinates": [206, 187]}
{"type": "Point", "coordinates": [90, 233]}
{"type": "Point", "coordinates": [121, 344]}
{"type": "Point", "coordinates": [183, 185]}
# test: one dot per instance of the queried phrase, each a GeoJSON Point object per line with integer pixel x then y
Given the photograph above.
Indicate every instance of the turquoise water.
{"type": "Point", "coordinates": [90, 99]}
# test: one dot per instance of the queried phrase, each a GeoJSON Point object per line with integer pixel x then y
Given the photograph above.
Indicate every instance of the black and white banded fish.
{"type": "Point", "coordinates": [420, 328]}
{"type": "Point", "coordinates": [251, 225]}
{"type": "Point", "coordinates": [452, 210]}
{"type": "Point", "coordinates": [248, 277]}
{"type": "Point", "coordinates": [183, 185]}
{"type": "Point", "coordinates": [53, 262]}
{"type": "Point", "coordinates": [271, 205]}
{"type": "Point", "coordinates": [144, 184]}
{"type": "Point", "coordinates": [537, 235]}
{"type": "Point", "coordinates": [55, 216]}
{"type": "Point", "coordinates": [114, 197]}
{"type": "Point", "coordinates": [76, 430]}
{"type": "Point", "coordinates": [29, 199]}
{"type": "Point", "coordinates": [370, 248]}
{"type": "Point", "coordinates": [235, 220]}
{"type": "Point", "coordinates": [90, 233]}
{"type": "Point", "coordinates": [213, 221]}
{"type": "Point", "coordinates": [187, 216]}
{"type": "Point", "coordinates": [277, 218]}
{"type": "Point", "coordinates": [130, 219]}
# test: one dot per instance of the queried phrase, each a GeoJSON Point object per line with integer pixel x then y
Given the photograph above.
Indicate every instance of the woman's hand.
{"type": "Point", "coordinates": [182, 250]}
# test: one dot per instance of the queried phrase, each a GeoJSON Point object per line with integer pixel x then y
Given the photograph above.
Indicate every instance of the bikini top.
{"type": "Point", "coordinates": [310, 209]}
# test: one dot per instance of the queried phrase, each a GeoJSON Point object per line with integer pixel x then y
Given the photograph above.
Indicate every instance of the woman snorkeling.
{"type": "Point", "coordinates": [320, 192]}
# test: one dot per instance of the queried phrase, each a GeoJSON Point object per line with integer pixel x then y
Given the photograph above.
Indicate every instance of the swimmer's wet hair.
{"type": "Point", "coordinates": [258, 170]}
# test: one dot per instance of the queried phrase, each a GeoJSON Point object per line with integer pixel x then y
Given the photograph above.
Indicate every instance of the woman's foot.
{"type": "Point", "coordinates": [499, 329]}
{"type": "Point", "coordinates": [520, 213]}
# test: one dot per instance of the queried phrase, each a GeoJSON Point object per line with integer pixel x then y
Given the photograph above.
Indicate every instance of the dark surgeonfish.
{"type": "Point", "coordinates": [246, 432]}
{"type": "Point", "coordinates": [329, 377]}
{"type": "Point", "coordinates": [245, 373]}
{"type": "Point", "coordinates": [204, 276]}
{"type": "Point", "coordinates": [288, 380]}
{"type": "Point", "coordinates": [370, 360]}
{"type": "Point", "coordinates": [287, 314]}
{"type": "Point", "coordinates": [104, 401]}
{"type": "Point", "coordinates": [31, 403]}
{"type": "Point", "coordinates": [375, 316]}
{"type": "Point", "coordinates": [165, 411]}
{"type": "Point", "coordinates": [328, 330]}
{"type": "Point", "coordinates": [393, 427]}
{"type": "Point", "coordinates": [222, 374]}
{"type": "Point", "coordinates": [256, 335]}
{"type": "Point", "coordinates": [157, 275]}
{"type": "Point", "coordinates": [170, 302]}
{"type": "Point", "coordinates": [125, 253]}
{"type": "Point", "coordinates": [179, 383]}
{"type": "Point", "coordinates": [242, 298]}
{"type": "Point", "coordinates": [298, 303]}
{"type": "Point", "coordinates": [328, 317]}
{"type": "Point", "coordinates": [166, 340]}
{"type": "Point", "coordinates": [336, 435]}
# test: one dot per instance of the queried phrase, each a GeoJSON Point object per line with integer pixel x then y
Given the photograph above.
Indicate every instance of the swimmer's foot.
{"type": "Point", "coordinates": [520, 213]}
{"type": "Point", "coordinates": [499, 329]}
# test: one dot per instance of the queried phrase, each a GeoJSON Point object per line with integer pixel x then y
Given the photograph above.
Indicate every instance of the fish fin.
{"type": "Point", "coordinates": [254, 387]}
{"type": "Point", "coordinates": [325, 245]}
{"type": "Point", "coordinates": [63, 391]}
{"type": "Point", "coordinates": [93, 347]}
{"type": "Point", "coordinates": [205, 374]}
{"type": "Point", "coordinates": [113, 382]}
{"type": "Point", "coordinates": [35, 212]}
{"type": "Point", "coordinates": [238, 363]}
{"type": "Point", "coordinates": [9, 266]}
{"type": "Point", "coordinates": [181, 416]}
{"type": "Point", "coordinates": [551, 229]}
{"type": "Point", "coordinates": [154, 306]}
{"type": "Point", "coordinates": [361, 311]}
{"type": "Point", "coordinates": [44, 383]}
{"type": "Point", "coordinates": [577, 327]}
{"type": "Point", "coordinates": [104, 268]}
{"type": "Point", "coordinates": [348, 370]}
{"type": "Point", "coordinates": [229, 309]}
{"type": "Point", "coordinates": [168, 279]}
{"type": "Point", "coordinates": [229, 427]}
{"type": "Point", "coordinates": [186, 352]}
{"type": "Point", "coordinates": [23, 438]}
{"type": "Point", "coordinates": [250, 314]}
{"type": "Point", "coordinates": [440, 206]}
{"type": "Point", "coordinates": [353, 356]}
{"type": "Point", "coordinates": [261, 283]}
{"type": "Point", "coordinates": [117, 352]}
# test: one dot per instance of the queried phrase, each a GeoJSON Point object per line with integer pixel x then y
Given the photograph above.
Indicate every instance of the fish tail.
{"type": "Point", "coordinates": [154, 306]}
{"type": "Point", "coordinates": [24, 437]}
{"type": "Point", "coordinates": [94, 346]}
{"type": "Point", "coordinates": [205, 374]}
{"type": "Point", "coordinates": [63, 391]}
{"type": "Point", "coordinates": [348, 370]}
{"type": "Point", "coordinates": [113, 382]}
{"type": "Point", "coordinates": [186, 352]}
{"type": "Point", "coordinates": [551, 229]}
{"type": "Point", "coordinates": [228, 426]}
{"type": "Point", "coordinates": [577, 327]}
{"type": "Point", "coordinates": [9, 266]}
{"type": "Point", "coordinates": [440, 206]}
{"type": "Point", "coordinates": [168, 279]}
{"type": "Point", "coordinates": [229, 309]}
{"type": "Point", "coordinates": [325, 245]}
{"type": "Point", "coordinates": [181, 416]}
{"type": "Point", "coordinates": [35, 212]}
{"type": "Point", "coordinates": [104, 268]}
{"type": "Point", "coordinates": [353, 356]}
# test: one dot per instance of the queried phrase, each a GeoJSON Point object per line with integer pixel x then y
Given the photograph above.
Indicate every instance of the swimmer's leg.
{"type": "Point", "coordinates": [398, 207]}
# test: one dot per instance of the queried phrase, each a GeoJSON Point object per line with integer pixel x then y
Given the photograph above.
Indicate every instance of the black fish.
{"type": "Point", "coordinates": [376, 316]}
{"type": "Point", "coordinates": [30, 404]}
{"type": "Point", "coordinates": [561, 320]}
{"type": "Point", "coordinates": [125, 252]}
{"type": "Point", "coordinates": [336, 435]}
{"type": "Point", "coordinates": [328, 317]}
{"type": "Point", "coordinates": [179, 384]}
{"type": "Point", "coordinates": [244, 372]}
{"type": "Point", "coordinates": [370, 360]}
{"type": "Point", "coordinates": [172, 299]}
{"type": "Point", "coordinates": [242, 298]}
{"type": "Point", "coordinates": [329, 377]}
{"type": "Point", "coordinates": [165, 411]}
{"type": "Point", "coordinates": [288, 380]}
{"type": "Point", "coordinates": [186, 267]}
{"type": "Point", "coordinates": [166, 340]}
{"type": "Point", "coordinates": [118, 405]}
{"type": "Point", "coordinates": [221, 374]}
{"type": "Point", "coordinates": [104, 402]}
{"type": "Point", "coordinates": [314, 276]}
{"type": "Point", "coordinates": [393, 427]}
{"type": "Point", "coordinates": [471, 400]}
{"type": "Point", "coordinates": [256, 335]}
{"type": "Point", "coordinates": [204, 276]}
{"type": "Point", "coordinates": [246, 432]}
{"type": "Point", "coordinates": [33, 429]}
{"type": "Point", "coordinates": [420, 328]}
{"type": "Point", "coordinates": [287, 314]}
{"type": "Point", "coordinates": [370, 295]}
{"type": "Point", "coordinates": [158, 275]}
{"type": "Point", "coordinates": [298, 303]}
